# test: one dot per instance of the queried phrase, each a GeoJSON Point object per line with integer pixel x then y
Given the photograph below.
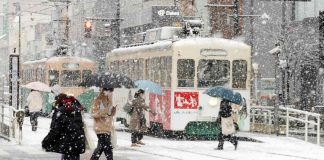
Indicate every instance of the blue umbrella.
{"type": "Point", "coordinates": [225, 93]}
{"type": "Point", "coordinates": [149, 86]}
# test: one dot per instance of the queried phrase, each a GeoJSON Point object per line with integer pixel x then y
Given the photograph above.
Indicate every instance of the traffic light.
{"type": "Point", "coordinates": [87, 29]}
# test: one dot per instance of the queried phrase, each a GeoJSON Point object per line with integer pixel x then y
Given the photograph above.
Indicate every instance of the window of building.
{"type": "Point", "coordinates": [186, 72]}
{"type": "Point", "coordinates": [53, 77]}
{"type": "Point", "coordinates": [213, 73]}
{"type": "Point", "coordinates": [239, 74]}
{"type": "Point", "coordinates": [70, 78]}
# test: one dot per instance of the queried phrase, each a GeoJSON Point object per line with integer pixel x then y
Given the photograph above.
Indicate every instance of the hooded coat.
{"type": "Point", "coordinates": [66, 133]}
{"type": "Point", "coordinates": [137, 120]}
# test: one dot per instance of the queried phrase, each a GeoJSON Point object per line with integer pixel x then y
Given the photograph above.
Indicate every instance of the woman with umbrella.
{"type": "Point", "coordinates": [227, 125]}
{"type": "Point", "coordinates": [225, 114]}
{"type": "Point", "coordinates": [138, 121]}
{"type": "Point", "coordinates": [35, 104]}
{"type": "Point", "coordinates": [35, 100]}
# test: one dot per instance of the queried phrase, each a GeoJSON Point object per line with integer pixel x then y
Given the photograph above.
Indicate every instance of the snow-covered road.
{"type": "Point", "coordinates": [271, 148]}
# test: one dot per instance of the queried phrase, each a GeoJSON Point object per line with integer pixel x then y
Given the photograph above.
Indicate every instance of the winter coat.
{"type": "Point", "coordinates": [35, 101]}
{"type": "Point", "coordinates": [225, 110]}
{"type": "Point", "coordinates": [137, 119]}
{"type": "Point", "coordinates": [99, 111]}
{"type": "Point", "coordinates": [66, 133]}
{"type": "Point", "coordinates": [225, 117]}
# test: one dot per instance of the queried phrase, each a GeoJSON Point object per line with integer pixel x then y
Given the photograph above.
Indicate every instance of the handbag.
{"type": "Point", "coordinates": [27, 114]}
{"type": "Point", "coordinates": [113, 136]}
{"type": "Point", "coordinates": [227, 126]}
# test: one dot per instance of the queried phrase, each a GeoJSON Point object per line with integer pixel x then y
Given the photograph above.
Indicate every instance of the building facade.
{"type": "Point", "coordinates": [303, 75]}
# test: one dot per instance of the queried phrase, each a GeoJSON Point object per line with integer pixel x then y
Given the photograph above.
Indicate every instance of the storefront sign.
{"type": "Point", "coordinates": [186, 100]}
{"type": "Point", "coordinates": [166, 15]}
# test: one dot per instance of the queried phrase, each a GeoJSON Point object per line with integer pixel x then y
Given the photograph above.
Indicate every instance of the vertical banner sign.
{"type": "Point", "coordinates": [14, 81]}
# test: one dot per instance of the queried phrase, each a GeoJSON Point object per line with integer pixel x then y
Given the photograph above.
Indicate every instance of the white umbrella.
{"type": "Point", "coordinates": [39, 86]}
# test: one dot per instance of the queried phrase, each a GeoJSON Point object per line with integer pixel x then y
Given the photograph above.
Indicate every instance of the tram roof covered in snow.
{"type": "Point", "coordinates": [167, 44]}
{"type": "Point", "coordinates": [58, 59]}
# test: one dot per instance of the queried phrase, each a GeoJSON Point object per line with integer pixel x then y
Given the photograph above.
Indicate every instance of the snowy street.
{"type": "Point", "coordinates": [272, 147]}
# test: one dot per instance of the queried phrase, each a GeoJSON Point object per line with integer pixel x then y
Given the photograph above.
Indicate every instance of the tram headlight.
{"type": "Point", "coordinates": [213, 102]}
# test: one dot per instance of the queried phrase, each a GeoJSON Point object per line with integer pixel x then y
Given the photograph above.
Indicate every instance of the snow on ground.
{"type": "Point", "coordinates": [272, 147]}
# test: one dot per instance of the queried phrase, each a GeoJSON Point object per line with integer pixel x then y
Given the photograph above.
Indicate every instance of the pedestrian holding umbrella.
{"type": "Point", "coordinates": [225, 114]}
{"type": "Point", "coordinates": [35, 101]}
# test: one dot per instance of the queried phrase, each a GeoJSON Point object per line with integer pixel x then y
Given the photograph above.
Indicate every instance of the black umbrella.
{"type": "Point", "coordinates": [108, 80]}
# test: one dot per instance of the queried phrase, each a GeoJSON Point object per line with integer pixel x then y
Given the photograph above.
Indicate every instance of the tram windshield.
{"type": "Point", "coordinates": [213, 73]}
{"type": "Point", "coordinates": [70, 78]}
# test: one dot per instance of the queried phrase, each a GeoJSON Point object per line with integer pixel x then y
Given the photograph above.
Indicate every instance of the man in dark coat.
{"type": "Point", "coordinates": [66, 133]}
{"type": "Point", "coordinates": [225, 112]}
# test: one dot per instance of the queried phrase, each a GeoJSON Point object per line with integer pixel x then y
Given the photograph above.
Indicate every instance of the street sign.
{"type": "Point", "coordinates": [14, 80]}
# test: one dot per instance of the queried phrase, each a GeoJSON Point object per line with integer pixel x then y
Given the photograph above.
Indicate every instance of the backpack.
{"type": "Point", "coordinates": [128, 108]}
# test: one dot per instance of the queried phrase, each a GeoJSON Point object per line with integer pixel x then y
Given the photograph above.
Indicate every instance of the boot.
{"type": "Point", "coordinates": [135, 145]}
{"type": "Point", "coordinates": [235, 144]}
{"type": "Point", "coordinates": [220, 146]}
{"type": "Point", "coordinates": [140, 142]}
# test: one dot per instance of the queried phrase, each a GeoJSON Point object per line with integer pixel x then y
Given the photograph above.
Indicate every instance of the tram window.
{"type": "Point", "coordinates": [53, 77]}
{"type": "Point", "coordinates": [70, 78]}
{"type": "Point", "coordinates": [86, 74]}
{"type": "Point", "coordinates": [147, 69]}
{"type": "Point", "coordinates": [186, 72]}
{"type": "Point", "coordinates": [156, 70]}
{"type": "Point", "coordinates": [169, 71]}
{"type": "Point", "coordinates": [141, 69]}
{"type": "Point", "coordinates": [239, 74]}
{"type": "Point", "coordinates": [213, 73]}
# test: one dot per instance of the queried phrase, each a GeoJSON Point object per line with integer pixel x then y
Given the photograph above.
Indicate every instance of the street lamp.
{"type": "Point", "coordinates": [275, 52]}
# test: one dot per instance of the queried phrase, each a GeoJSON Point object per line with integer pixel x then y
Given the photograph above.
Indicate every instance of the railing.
{"type": "Point", "coordinates": [262, 119]}
{"type": "Point", "coordinates": [8, 121]}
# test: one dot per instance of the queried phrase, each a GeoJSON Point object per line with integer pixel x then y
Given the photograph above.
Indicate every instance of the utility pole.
{"type": "Point", "coordinates": [236, 17]}
{"type": "Point", "coordinates": [118, 24]}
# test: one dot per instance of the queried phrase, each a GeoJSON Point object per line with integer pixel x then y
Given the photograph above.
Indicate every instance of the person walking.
{"type": "Point", "coordinates": [35, 105]}
{"type": "Point", "coordinates": [137, 121]}
{"type": "Point", "coordinates": [66, 135]}
{"type": "Point", "coordinates": [102, 112]}
{"type": "Point", "coordinates": [227, 125]}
